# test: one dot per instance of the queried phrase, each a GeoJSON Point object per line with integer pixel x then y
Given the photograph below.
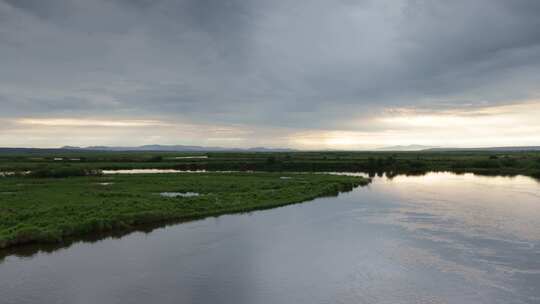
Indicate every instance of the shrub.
{"type": "Point", "coordinates": [271, 160]}
{"type": "Point", "coordinates": [417, 164]}
{"type": "Point", "coordinates": [62, 172]}
{"type": "Point", "coordinates": [509, 162]}
{"type": "Point", "coordinates": [156, 159]}
{"type": "Point", "coordinates": [390, 160]}
{"type": "Point", "coordinates": [486, 164]}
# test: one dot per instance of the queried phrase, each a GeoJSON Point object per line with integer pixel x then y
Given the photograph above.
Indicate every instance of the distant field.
{"type": "Point", "coordinates": [51, 209]}
{"type": "Point", "coordinates": [511, 163]}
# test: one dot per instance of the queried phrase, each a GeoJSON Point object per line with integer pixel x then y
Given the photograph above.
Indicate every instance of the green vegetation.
{"type": "Point", "coordinates": [51, 195]}
{"type": "Point", "coordinates": [63, 172]}
{"type": "Point", "coordinates": [482, 162]}
{"type": "Point", "coordinates": [52, 209]}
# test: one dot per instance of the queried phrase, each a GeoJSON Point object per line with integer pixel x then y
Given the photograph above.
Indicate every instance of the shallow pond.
{"type": "Point", "coordinates": [191, 157]}
{"type": "Point", "coordinates": [149, 171]}
{"type": "Point", "coordinates": [438, 238]}
{"type": "Point", "coordinates": [179, 194]}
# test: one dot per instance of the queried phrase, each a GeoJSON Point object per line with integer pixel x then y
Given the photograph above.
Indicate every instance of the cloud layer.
{"type": "Point", "coordinates": [271, 69]}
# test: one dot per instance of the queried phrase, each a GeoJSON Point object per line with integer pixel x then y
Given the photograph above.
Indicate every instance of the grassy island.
{"type": "Point", "coordinates": [51, 209]}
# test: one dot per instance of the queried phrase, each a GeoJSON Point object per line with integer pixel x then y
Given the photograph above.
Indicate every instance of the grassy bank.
{"type": "Point", "coordinates": [50, 209]}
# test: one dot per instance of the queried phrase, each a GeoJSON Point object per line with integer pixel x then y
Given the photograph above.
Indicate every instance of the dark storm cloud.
{"type": "Point", "coordinates": [274, 63]}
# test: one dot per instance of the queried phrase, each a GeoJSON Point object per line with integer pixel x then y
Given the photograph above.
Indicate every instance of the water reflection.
{"type": "Point", "coordinates": [149, 171]}
{"type": "Point", "coordinates": [152, 171]}
{"type": "Point", "coordinates": [438, 238]}
{"type": "Point", "coordinates": [508, 206]}
{"type": "Point", "coordinates": [191, 157]}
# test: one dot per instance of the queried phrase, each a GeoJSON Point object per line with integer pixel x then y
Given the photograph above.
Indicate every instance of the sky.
{"type": "Point", "coordinates": [304, 74]}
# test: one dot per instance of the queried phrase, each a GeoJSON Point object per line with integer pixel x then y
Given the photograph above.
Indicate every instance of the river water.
{"type": "Point", "coordinates": [437, 238]}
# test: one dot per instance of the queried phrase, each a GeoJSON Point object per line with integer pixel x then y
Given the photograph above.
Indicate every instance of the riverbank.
{"type": "Point", "coordinates": [51, 209]}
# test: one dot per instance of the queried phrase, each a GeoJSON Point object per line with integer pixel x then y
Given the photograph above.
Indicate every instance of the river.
{"type": "Point", "coordinates": [437, 238]}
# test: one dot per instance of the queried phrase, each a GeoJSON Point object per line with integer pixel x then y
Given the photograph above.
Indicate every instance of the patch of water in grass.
{"type": "Point", "coordinates": [179, 194]}
{"type": "Point", "coordinates": [12, 173]}
{"type": "Point", "coordinates": [145, 171]}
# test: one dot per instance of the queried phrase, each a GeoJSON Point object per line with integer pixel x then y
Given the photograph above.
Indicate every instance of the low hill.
{"type": "Point", "coordinates": [406, 148]}
{"type": "Point", "coordinates": [175, 148]}
{"type": "Point", "coordinates": [491, 149]}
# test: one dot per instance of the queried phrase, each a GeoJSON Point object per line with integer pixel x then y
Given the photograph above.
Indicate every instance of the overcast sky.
{"type": "Point", "coordinates": [342, 74]}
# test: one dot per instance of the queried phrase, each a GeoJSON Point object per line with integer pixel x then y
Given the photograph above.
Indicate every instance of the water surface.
{"type": "Point", "coordinates": [179, 194]}
{"type": "Point", "coordinates": [149, 171]}
{"type": "Point", "coordinates": [438, 238]}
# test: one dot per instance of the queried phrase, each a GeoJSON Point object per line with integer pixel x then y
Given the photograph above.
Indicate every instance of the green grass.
{"type": "Point", "coordinates": [52, 209]}
{"type": "Point", "coordinates": [482, 162]}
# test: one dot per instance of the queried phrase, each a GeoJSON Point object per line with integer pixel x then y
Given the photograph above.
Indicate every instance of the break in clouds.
{"type": "Point", "coordinates": [314, 74]}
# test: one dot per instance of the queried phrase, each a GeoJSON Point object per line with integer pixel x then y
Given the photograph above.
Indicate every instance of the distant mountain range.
{"type": "Point", "coordinates": [450, 149]}
{"type": "Point", "coordinates": [494, 149]}
{"type": "Point", "coordinates": [406, 148]}
{"type": "Point", "coordinates": [181, 148]}
{"type": "Point", "coordinates": [176, 148]}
